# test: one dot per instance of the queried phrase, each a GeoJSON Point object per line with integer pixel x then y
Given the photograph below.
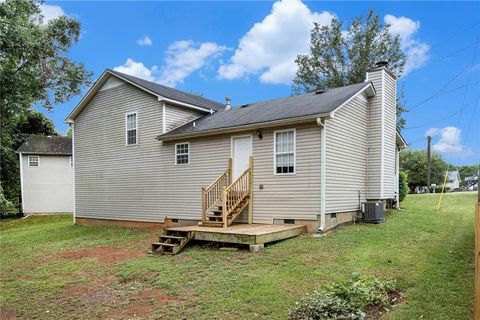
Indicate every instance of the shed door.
{"type": "Point", "coordinates": [241, 151]}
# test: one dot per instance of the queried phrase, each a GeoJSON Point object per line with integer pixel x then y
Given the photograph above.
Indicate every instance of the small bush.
{"type": "Point", "coordinates": [7, 209]}
{"type": "Point", "coordinates": [344, 300]}
{"type": "Point", "coordinates": [403, 185]}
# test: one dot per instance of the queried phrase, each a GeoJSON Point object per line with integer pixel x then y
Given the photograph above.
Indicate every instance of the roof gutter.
{"type": "Point", "coordinates": [266, 124]}
{"type": "Point", "coordinates": [44, 153]}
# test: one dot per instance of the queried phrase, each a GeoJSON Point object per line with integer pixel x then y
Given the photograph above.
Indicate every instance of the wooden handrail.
{"type": "Point", "coordinates": [213, 193]}
{"type": "Point", "coordinates": [229, 194]}
{"type": "Point", "coordinates": [235, 193]}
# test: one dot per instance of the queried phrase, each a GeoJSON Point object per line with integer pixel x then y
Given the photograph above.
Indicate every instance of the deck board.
{"type": "Point", "coordinates": [250, 234]}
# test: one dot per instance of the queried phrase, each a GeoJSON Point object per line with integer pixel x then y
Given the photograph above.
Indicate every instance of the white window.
{"type": "Point", "coordinates": [284, 151]}
{"type": "Point", "coordinates": [71, 161]}
{"type": "Point", "coordinates": [131, 128]}
{"type": "Point", "coordinates": [182, 153]}
{"type": "Point", "coordinates": [33, 161]}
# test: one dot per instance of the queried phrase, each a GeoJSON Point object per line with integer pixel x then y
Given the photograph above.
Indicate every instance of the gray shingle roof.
{"type": "Point", "coordinates": [308, 104]}
{"type": "Point", "coordinates": [171, 93]}
{"type": "Point", "coordinates": [55, 145]}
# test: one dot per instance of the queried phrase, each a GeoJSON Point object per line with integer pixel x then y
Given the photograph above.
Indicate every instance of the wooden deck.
{"type": "Point", "coordinates": [249, 234]}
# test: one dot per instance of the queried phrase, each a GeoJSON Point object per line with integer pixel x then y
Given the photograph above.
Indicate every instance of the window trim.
{"type": "Point", "coordinates": [294, 152]}
{"type": "Point", "coordinates": [38, 161]}
{"type": "Point", "coordinates": [126, 129]}
{"type": "Point", "coordinates": [188, 154]}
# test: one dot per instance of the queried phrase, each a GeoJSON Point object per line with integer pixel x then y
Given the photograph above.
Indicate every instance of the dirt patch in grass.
{"type": "Point", "coordinates": [377, 313]}
{"type": "Point", "coordinates": [107, 255]}
{"type": "Point", "coordinates": [117, 300]}
{"type": "Point", "coordinates": [142, 304]}
{"type": "Point", "coordinates": [8, 314]}
{"type": "Point", "coordinates": [90, 292]}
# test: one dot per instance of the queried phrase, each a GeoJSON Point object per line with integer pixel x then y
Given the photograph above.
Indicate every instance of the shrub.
{"type": "Point", "coordinates": [344, 299]}
{"type": "Point", "coordinates": [7, 209]}
{"type": "Point", "coordinates": [403, 185]}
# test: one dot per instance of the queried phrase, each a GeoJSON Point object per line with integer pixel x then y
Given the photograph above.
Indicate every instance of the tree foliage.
{"type": "Point", "coordinates": [339, 58]}
{"type": "Point", "coordinates": [403, 185]}
{"type": "Point", "coordinates": [414, 164]}
{"type": "Point", "coordinates": [35, 70]}
{"type": "Point", "coordinates": [34, 66]}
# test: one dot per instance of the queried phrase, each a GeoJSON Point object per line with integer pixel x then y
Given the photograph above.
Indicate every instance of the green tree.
{"type": "Point", "coordinates": [403, 185]}
{"type": "Point", "coordinates": [414, 164]}
{"type": "Point", "coordinates": [68, 133]}
{"type": "Point", "coordinates": [34, 71]}
{"type": "Point", "coordinates": [339, 58]}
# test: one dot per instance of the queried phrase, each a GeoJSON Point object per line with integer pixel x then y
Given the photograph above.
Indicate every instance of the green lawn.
{"type": "Point", "coordinates": [51, 269]}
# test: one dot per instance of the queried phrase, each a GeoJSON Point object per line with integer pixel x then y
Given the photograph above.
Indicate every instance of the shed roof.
{"type": "Point", "coordinates": [54, 145]}
{"type": "Point", "coordinates": [312, 104]}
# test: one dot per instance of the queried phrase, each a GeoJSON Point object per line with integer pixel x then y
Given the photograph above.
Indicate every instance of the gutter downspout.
{"type": "Point", "coordinates": [72, 125]}
{"type": "Point", "coordinates": [323, 128]}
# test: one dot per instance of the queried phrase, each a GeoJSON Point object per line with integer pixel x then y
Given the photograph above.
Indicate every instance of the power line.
{"type": "Point", "coordinates": [442, 90]}
{"type": "Point", "coordinates": [444, 118]}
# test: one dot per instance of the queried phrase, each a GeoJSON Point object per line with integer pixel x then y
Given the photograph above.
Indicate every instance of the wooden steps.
{"type": "Point", "coordinates": [224, 200]}
{"type": "Point", "coordinates": [215, 216]}
{"type": "Point", "coordinates": [172, 242]}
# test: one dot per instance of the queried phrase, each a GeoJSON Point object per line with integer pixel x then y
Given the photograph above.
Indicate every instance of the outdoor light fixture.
{"type": "Point", "coordinates": [259, 133]}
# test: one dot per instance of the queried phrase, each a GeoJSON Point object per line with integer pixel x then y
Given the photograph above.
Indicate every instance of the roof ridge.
{"type": "Point", "coordinates": [297, 95]}
{"type": "Point", "coordinates": [166, 87]}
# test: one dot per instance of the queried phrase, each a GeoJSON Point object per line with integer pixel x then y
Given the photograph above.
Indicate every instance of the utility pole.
{"type": "Point", "coordinates": [429, 161]}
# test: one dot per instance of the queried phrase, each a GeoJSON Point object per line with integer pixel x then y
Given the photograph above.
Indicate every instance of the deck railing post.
{"type": "Point", "coordinates": [229, 171]}
{"type": "Point", "coordinates": [224, 207]}
{"type": "Point", "coordinates": [250, 190]}
{"type": "Point", "coordinates": [204, 205]}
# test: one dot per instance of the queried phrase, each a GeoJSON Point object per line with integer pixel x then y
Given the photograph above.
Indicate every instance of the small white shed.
{"type": "Point", "coordinates": [46, 175]}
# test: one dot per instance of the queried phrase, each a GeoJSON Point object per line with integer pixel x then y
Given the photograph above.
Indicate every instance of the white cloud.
{"type": "Point", "coordinates": [270, 47]}
{"type": "Point", "coordinates": [415, 50]}
{"type": "Point", "coordinates": [145, 41]}
{"type": "Point", "coordinates": [138, 69]}
{"type": "Point", "coordinates": [182, 59]}
{"type": "Point", "coordinates": [50, 12]}
{"type": "Point", "coordinates": [185, 57]}
{"type": "Point", "coordinates": [449, 141]}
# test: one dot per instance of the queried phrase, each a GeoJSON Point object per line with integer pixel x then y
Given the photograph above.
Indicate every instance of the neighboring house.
{"type": "Point", "coordinates": [471, 183]}
{"type": "Point", "coordinates": [144, 151]}
{"type": "Point", "coordinates": [453, 180]}
{"type": "Point", "coordinates": [46, 174]}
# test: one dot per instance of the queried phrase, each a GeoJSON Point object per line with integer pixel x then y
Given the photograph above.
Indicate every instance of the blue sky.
{"type": "Point", "coordinates": [246, 49]}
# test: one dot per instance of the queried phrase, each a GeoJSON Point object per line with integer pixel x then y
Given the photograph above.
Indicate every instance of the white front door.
{"type": "Point", "coordinates": [241, 152]}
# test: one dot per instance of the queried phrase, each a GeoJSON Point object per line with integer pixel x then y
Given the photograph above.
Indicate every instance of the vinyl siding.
{"type": "Point", "coordinates": [346, 158]}
{"type": "Point", "coordinates": [115, 181]}
{"type": "Point", "coordinates": [292, 196]}
{"type": "Point", "coordinates": [389, 138]}
{"type": "Point", "coordinates": [177, 116]}
{"type": "Point", "coordinates": [382, 137]}
{"type": "Point", "coordinates": [47, 188]}
{"type": "Point", "coordinates": [375, 138]}
{"type": "Point", "coordinates": [143, 183]}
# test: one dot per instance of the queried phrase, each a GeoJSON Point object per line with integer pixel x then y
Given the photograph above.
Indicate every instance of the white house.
{"type": "Point", "coordinates": [46, 175]}
{"type": "Point", "coordinates": [149, 154]}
